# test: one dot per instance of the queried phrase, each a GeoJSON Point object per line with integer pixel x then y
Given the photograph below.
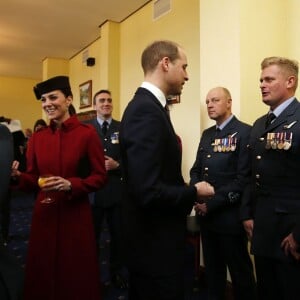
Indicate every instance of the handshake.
{"type": "Point", "coordinates": [204, 190]}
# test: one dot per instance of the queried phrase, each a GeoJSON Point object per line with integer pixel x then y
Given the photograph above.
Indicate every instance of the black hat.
{"type": "Point", "coordinates": [54, 83]}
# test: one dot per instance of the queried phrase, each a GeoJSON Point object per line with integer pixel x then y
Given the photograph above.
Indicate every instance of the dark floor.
{"type": "Point", "coordinates": [21, 209]}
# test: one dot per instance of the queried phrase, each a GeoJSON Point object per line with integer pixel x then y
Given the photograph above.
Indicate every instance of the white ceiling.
{"type": "Point", "coordinates": [31, 30]}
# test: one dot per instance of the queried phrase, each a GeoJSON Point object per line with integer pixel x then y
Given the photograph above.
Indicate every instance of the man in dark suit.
{"type": "Point", "coordinates": [157, 200]}
{"type": "Point", "coordinates": [223, 160]}
{"type": "Point", "coordinates": [18, 154]}
{"type": "Point", "coordinates": [106, 204]}
{"type": "Point", "coordinates": [10, 270]}
{"type": "Point", "coordinates": [271, 204]}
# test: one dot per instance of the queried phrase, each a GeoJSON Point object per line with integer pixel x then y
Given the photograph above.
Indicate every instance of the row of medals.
{"type": "Point", "coordinates": [279, 140]}
{"type": "Point", "coordinates": [115, 137]}
{"type": "Point", "coordinates": [224, 145]}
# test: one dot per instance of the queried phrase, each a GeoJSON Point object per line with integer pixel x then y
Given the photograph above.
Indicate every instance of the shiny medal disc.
{"type": "Point", "coordinates": [274, 145]}
{"type": "Point", "coordinates": [287, 145]}
{"type": "Point", "coordinates": [280, 145]}
{"type": "Point", "coordinates": [268, 145]}
{"type": "Point", "coordinates": [215, 146]}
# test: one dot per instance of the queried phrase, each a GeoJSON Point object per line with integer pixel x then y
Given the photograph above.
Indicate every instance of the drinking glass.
{"type": "Point", "coordinates": [41, 182]}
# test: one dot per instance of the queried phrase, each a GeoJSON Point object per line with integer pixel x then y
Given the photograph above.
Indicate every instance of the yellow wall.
{"type": "Point", "coordinates": [18, 101]}
{"type": "Point", "coordinates": [219, 51]}
{"type": "Point", "coordinates": [235, 37]}
{"type": "Point", "coordinates": [105, 73]}
{"type": "Point", "coordinates": [80, 72]}
{"type": "Point", "coordinates": [55, 67]}
{"type": "Point", "coordinates": [263, 33]}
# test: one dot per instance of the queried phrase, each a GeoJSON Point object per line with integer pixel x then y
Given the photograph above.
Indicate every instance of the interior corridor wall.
{"type": "Point", "coordinates": [18, 102]}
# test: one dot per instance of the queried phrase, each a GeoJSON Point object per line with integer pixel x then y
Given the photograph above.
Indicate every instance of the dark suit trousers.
{"type": "Point", "coordinates": [277, 280]}
{"type": "Point", "coordinates": [11, 276]}
{"type": "Point", "coordinates": [144, 287]}
{"type": "Point", "coordinates": [227, 250]}
{"type": "Point", "coordinates": [112, 216]}
{"type": "Point", "coordinates": [5, 215]}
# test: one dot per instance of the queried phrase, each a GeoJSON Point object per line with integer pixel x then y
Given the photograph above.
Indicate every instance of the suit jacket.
{"type": "Point", "coordinates": [227, 169]}
{"type": "Point", "coordinates": [6, 158]}
{"type": "Point", "coordinates": [11, 274]}
{"type": "Point", "coordinates": [111, 193]}
{"type": "Point", "coordinates": [157, 200]}
{"type": "Point", "coordinates": [273, 198]}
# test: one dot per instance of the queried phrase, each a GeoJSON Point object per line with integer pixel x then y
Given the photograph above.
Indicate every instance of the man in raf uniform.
{"type": "Point", "coordinates": [223, 161]}
{"type": "Point", "coordinates": [106, 202]}
{"type": "Point", "coordinates": [271, 204]}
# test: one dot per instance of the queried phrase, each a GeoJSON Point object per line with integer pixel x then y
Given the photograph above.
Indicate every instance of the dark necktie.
{"type": "Point", "coordinates": [104, 127]}
{"type": "Point", "coordinates": [270, 118]}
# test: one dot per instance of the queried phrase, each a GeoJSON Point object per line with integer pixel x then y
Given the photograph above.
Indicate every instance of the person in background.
{"type": "Point", "coordinates": [223, 160]}
{"type": "Point", "coordinates": [39, 124]}
{"type": "Point", "coordinates": [65, 162]}
{"type": "Point", "coordinates": [19, 149]}
{"type": "Point", "coordinates": [106, 204]}
{"type": "Point", "coordinates": [11, 274]}
{"type": "Point", "coordinates": [157, 201]}
{"type": "Point", "coordinates": [271, 202]}
{"type": "Point", "coordinates": [72, 110]}
{"type": "Point", "coordinates": [28, 133]}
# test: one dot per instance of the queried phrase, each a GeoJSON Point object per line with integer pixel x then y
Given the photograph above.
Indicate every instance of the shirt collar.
{"type": "Point", "coordinates": [279, 109]}
{"type": "Point", "coordinates": [100, 120]}
{"type": "Point", "coordinates": [155, 91]}
{"type": "Point", "coordinates": [225, 122]}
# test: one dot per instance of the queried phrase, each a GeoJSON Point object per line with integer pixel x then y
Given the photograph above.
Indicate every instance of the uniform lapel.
{"type": "Point", "coordinates": [285, 117]}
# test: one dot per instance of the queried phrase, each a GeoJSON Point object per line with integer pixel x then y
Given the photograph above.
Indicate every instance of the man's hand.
{"type": "Point", "coordinates": [201, 208]}
{"type": "Point", "coordinates": [110, 164]}
{"type": "Point", "coordinates": [248, 226]}
{"type": "Point", "coordinates": [204, 190]}
{"type": "Point", "coordinates": [290, 246]}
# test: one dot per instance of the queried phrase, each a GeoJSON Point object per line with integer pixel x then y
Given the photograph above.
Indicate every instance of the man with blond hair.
{"type": "Point", "coordinates": [271, 204]}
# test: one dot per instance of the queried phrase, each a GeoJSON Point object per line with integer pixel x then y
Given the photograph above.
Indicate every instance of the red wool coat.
{"type": "Point", "coordinates": [61, 260]}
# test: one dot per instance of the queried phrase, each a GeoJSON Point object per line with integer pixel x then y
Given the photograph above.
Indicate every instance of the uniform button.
{"type": "Point", "coordinates": [257, 176]}
{"type": "Point", "coordinates": [105, 139]}
{"type": "Point", "coordinates": [206, 169]}
{"type": "Point", "coordinates": [258, 157]}
{"type": "Point", "coordinates": [105, 150]}
{"type": "Point", "coordinates": [208, 156]}
{"type": "Point", "coordinates": [261, 139]}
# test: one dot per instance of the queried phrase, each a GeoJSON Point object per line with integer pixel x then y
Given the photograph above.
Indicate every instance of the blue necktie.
{"type": "Point", "coordinates": [270, 118]}
{"type": "Point", "coordinates": [104, 127]}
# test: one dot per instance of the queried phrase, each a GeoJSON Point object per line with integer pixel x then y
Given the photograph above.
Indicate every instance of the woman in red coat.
{"type": "Point", "coordinates": [61, 260]}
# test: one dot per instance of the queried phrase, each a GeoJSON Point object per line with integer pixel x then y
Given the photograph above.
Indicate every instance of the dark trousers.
{"type": "Point", "coordinates": [5, 216]}
{"type": "Point", "coordinates": [111, 215]}
{"type": "Point", "coordinates": [277, 280]}
{"type": "Point", "coordinates": [144, 287]}
{"type": "Point", "coordinates": [227, 250]}
{"type": "Point", "coordinates": [11, 276]}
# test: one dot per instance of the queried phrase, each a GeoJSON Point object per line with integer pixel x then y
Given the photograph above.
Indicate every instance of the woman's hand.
{"type": "Point", "coordinates": [14, 169]}
{"type": "Point", "coordinates": [57, 183]}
